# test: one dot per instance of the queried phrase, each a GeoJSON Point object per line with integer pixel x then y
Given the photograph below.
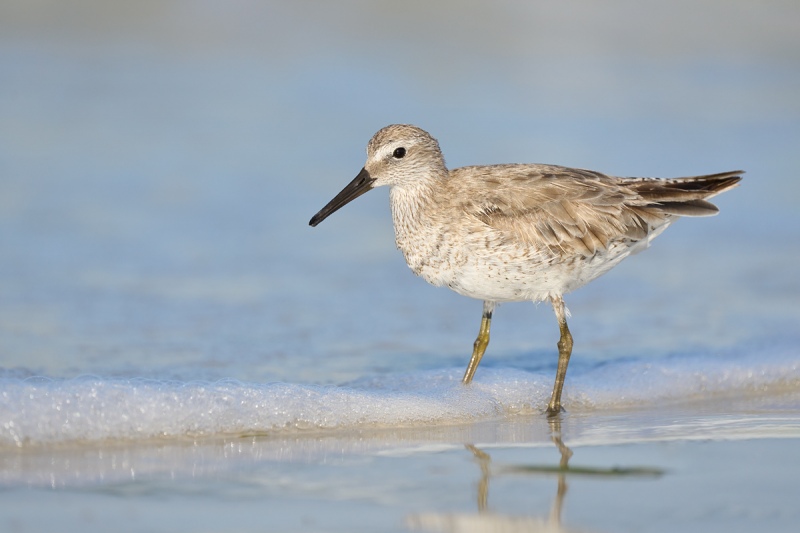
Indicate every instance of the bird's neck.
{"type": "Point", "coordinates": [408, 202]}
{"type": "Point", "coordinates": [414, 231]}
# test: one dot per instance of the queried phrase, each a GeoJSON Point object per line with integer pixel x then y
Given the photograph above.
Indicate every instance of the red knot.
{"type": "Point", "coordinates": [509, 233]}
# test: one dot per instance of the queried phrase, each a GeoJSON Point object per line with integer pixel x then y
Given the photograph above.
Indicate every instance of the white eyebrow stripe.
{"type": "Point", "coordinates": [385, 150]}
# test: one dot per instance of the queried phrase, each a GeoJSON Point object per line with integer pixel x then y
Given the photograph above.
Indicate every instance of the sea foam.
{"type": "Point", "coordinates": [43, 411]}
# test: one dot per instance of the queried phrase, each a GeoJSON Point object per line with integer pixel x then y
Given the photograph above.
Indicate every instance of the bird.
{"type": "Point", "coordinates": [517, 232]}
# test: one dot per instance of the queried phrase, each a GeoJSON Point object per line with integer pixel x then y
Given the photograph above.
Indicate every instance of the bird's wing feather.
{"type": "Point", "coordinates": [570, 211]}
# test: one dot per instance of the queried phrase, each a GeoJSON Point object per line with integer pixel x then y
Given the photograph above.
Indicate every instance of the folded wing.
{"type": "Point", "coordinates": [579, 212]}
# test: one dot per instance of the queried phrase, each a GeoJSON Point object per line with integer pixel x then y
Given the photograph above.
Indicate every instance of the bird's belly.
{"type": "Point", "coordinates": [514, 278]}
{"type": "Point", "coordinates": [483, 266]}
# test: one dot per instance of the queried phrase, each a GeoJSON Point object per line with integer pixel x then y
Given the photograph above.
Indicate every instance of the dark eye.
{"type": "Point", "coordinates": [399, 153]}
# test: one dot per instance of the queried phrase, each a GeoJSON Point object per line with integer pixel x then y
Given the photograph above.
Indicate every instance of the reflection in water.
{"type": "Point", "coordinates": [489, 522]}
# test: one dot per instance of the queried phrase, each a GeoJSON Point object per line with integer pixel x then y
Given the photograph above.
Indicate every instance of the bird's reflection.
{"type": "Point", "coordinates": [485, 521]}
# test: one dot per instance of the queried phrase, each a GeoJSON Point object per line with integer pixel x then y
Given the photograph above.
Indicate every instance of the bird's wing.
{"type": "Point", "coordinates": [569, 211]}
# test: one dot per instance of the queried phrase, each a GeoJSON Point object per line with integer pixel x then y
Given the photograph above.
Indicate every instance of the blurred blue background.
{"type": "Point", "coordinates": [159, 162]}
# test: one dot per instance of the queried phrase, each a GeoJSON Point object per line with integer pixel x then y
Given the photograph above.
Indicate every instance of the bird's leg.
{"type": "Point", "coordinates": [480, 343]}
{"type": "Point", "coordinates": [564, 351]}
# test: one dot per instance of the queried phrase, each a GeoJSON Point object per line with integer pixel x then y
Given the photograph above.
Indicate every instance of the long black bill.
{"type": "Point", "coordinates": [361, 184]}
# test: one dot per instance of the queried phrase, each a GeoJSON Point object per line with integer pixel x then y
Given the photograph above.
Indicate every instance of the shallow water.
{"type": "Point", "coordinates": [710, 466]}
{"type": "Point", "coordinates": [174, 337]}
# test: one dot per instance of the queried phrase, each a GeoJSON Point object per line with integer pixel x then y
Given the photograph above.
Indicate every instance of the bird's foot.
{"type": "Point", "coordinates": [554, 410]}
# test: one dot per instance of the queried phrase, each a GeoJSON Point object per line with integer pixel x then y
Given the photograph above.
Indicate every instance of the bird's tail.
{"type": "Point", "coordinates": [686, 196]}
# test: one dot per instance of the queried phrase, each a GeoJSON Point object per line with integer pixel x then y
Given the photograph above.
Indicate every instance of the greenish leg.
{"type": "Point", "coordinates": [480, 343]}
{"type": "Point", "coordinates": [564, 352]}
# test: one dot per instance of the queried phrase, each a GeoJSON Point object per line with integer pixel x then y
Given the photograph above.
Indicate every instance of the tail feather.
{"type": "Point", "coordinates": [686, 196]}
{"type": "Point", "coordinates": [693, 208]}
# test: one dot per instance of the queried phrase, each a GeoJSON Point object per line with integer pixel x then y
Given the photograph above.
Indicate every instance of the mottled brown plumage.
{"type": "Point", "coordinates": [580, 212]}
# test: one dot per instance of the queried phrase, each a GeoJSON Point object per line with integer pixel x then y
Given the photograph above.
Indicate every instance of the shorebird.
{"type": "Point", "coordinates": [518, 232]}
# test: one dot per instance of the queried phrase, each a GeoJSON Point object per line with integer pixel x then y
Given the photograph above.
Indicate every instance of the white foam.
{"type": "Point", "coordinates": [37, 410]}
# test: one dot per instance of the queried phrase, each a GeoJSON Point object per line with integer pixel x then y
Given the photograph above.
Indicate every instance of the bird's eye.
{"type": "Point", "coordinates": [399, 153]}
